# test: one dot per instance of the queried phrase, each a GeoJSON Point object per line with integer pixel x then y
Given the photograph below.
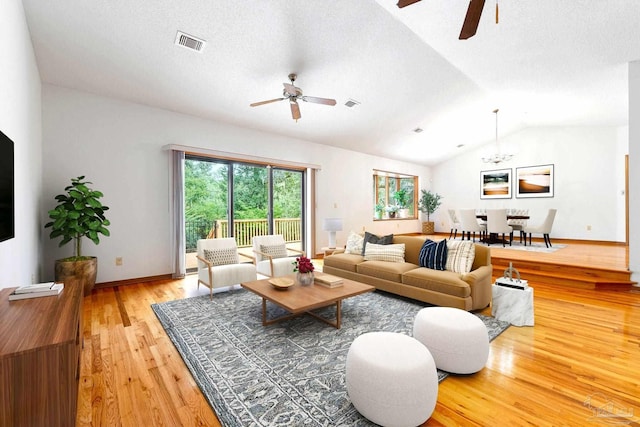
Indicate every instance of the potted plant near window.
{"type": "Point", "coordinates": [402, 199]}
{"type": "Point", "coordinates": [78, 214]}
{"type": "Point", "coordinates": [429, 202]}
{"type": "Point", "coordinates": [379, 210]}
{"type": "Point", "coordinates": [392, 210]}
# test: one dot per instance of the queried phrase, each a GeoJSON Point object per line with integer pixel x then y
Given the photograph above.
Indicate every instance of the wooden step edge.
{"type": "Point", "coordinates": [506, 261]}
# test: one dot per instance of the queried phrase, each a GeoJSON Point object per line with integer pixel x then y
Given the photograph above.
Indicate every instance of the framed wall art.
{"type": "Point", "coordinates": [534, 181]}
{"type": "Point", "coordinates": [495, 184]}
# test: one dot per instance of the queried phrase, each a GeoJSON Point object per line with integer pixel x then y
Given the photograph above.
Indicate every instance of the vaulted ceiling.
{"type": "Point", "coordinates": [547, 63]}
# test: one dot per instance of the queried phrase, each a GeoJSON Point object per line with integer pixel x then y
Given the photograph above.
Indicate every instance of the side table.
{"type": "Point", "coordinates": [329, 251]}
{"type": "Point", "coordinates": [513, 305]}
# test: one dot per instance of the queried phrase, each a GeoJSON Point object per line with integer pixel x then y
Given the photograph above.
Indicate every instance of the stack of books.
{"type": "Point", "coordinates": [328, 280]}
{"type": "Point", "coordinates": [36, 290]}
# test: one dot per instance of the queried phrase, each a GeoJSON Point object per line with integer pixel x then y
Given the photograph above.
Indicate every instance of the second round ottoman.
{"type": "Point", "coordinates": [457, 340]}
{"type": "Point", "coordinates": [391, 379]}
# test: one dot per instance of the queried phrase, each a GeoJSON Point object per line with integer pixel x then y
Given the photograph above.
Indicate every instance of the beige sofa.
{"type": "Point", "coordinates": [471, 291]}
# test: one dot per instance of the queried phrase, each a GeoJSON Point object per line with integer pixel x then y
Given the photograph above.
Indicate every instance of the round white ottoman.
{"type": "Point", "coordinates": [457, 340]}
{"type": "Point", "coordinates": [391, 379]}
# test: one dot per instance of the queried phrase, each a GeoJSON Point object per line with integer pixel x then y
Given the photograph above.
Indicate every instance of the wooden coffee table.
{"type": "Point", "coordinates": [299, 299]}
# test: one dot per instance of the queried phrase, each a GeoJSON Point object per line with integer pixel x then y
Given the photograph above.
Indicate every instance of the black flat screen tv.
{"type": "Point", "coordinates": [7, 208]}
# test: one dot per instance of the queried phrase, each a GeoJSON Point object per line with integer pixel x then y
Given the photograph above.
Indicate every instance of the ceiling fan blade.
{"type": "Point", "coordinates": [404, 3]}
{"type": "Point", "coordinates": [291, 89]}
{"type": "Point", "coordinates": [295, 110]}
{"type": "Point", "coordinates": [255, 104]}
{"type": "Point", "coordinates": [472, 19]}
{"type": "Point", "coordinates": [325, 101]}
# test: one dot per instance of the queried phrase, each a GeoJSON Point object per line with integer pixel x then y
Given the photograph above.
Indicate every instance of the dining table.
{"type": "Point", "coordinates": [493, 237]}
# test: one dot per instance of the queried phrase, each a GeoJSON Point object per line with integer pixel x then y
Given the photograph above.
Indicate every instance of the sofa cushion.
{"type": "Point", "coordinates": [392, 271]}
{"type": "Point", "coordinates": [344, 261]}
{"type": "Point", "coordinates": [445, 282]}
{"type": "Point", "coordinates": [434, 254]}
{"type": "Point", "coordinates": [389, 253]}
{"type": "Point", "coordinates": [355, 242]}
{"type": "Point", "coordinates": [460, 255]}
{"type": "Point", "coordinates": [372, 238]}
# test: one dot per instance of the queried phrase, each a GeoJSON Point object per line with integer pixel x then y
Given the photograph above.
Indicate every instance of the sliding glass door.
{"type": "Point", "coordinates": [224, 198]}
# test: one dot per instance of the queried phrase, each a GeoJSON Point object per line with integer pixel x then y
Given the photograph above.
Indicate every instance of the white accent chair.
{"type": "Point", "coordinates": [544, 228]}
{"type": "Point", "coordinates": [470, 224]}
{"type": "Point", "coordinates": [269, 264]}
{"type": "Point", "coordinates": [497, 224]}
{"type": "Point", "coordinates": [219, 264]}
{"type": "Point", "coordinates": [455, 223]}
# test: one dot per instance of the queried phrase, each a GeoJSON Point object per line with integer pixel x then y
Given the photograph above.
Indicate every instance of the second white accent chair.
{"type": "Point", "coordinates": [470, 224]}
{"type": "Point", "coordinates": [219, 264]}
{"type": "Point", "coordinates": [544, 228]}
{"type": "Point", "coordinates": [497, 224]}
{"type": "Point", "coordinates": [272, 256]}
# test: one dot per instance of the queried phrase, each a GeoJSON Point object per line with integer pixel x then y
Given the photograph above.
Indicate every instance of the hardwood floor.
{"type": "Point", "coordinates": [576, 366]}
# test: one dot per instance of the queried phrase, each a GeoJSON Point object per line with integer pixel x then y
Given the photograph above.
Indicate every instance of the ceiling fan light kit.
{"type": "Point", "coordinates": [293, 94]}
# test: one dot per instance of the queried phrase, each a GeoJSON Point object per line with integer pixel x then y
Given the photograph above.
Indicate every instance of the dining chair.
{"type": "Point", "coordinates": [272, 256]}
{"type": "Point", "coordinates": [470, 224]}
{"type": "Point", "coordinates": [497, 224]}
{"type": "Point", "coordinates": [519, 224]}
{"type": "Point", "coordinates": [455, 223]}
{"type": "Point", "coordinates": [219, 264]}
{"type": "Point", "coordinates": [544, 228]}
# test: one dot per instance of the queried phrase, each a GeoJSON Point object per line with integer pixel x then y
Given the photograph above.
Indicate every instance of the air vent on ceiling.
{"type": "Point", "coordinates": [189, 42]}
{"type": "Point", "coordinates": [351, 103]}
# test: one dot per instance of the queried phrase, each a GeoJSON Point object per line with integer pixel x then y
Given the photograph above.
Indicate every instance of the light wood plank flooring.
{"type": "Point", "coordinates": [577, 366]}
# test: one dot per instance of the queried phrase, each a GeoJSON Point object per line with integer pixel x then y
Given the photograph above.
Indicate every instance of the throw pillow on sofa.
{"type": "Point", "coordinates": [389, 253]}
{"type": "Point", "coordinates": [372, 238]}
{"type": "Point", "coordinates": [460, 256]}
{"type": "Point", "coordinates": [433, 255]}
{"type": "Point", "coordinates": [355, 242]}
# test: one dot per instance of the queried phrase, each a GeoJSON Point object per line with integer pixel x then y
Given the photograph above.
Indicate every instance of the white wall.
{"type": "Point", "coordinates": [589, 180]}
{"type": "Point", "coordinates": [118, 146]}
{"type": "Point", "coordinates": [20, 116]}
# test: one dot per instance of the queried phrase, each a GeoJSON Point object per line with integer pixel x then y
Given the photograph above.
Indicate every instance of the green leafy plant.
{"type": "Point", "coordinates": [429, 202]}
{"type": "Point", "coordinates": [79, 214]}
{"type": "Point", "coordinates": [402, 198]}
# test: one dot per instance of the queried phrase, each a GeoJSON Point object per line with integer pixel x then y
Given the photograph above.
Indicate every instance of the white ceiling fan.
{"type": "Point", "coordinates": [293, 94]}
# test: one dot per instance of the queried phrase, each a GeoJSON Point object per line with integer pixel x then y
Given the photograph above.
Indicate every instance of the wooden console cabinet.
{"type": "Point", "coordinates": [40, 348]}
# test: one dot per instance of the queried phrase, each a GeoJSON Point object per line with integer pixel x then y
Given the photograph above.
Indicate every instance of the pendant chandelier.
{"type": "Point", "coordinates": [497, 157]}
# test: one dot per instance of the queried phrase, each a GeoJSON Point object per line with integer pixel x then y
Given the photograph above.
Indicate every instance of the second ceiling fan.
{"type": "Point", "coordinates": [471, 20]}
{"type": "Point", "coordinates": [293, 94]}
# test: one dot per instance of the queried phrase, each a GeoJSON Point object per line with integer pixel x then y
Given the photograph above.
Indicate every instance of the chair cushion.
{"type": "Point", "coordinates": [354, 245]}
{"type": "Point", "coordinates": [276, 251]}
{"type": "Point", "coordinates": [460, 256]}
{"type": "Point", "coordinates": [221, 256]}
{"type": "Point", "coordinates": [372, 238]}
{"type": "Point", "coordinates": [434, 255]}
{"type": "Point", "coordinates": [390, 253]}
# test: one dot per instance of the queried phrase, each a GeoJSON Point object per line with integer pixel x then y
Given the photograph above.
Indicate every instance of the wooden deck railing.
{"type": "Point", "coordinates": [245, 229]}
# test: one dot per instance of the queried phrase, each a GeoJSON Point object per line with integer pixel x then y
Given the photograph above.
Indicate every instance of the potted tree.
{"type": "Point", "coordinates": [429, 202]}
{"type": "Point", "coordinates": [78, 214]}
{"type": "Point", "coordinates": [402, 200]}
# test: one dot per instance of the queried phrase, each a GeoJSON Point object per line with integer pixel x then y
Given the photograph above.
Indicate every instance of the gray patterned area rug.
{"type": "Point", "coordinates": [291, 373]}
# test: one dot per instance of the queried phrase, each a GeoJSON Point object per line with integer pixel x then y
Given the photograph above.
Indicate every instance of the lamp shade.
{"type": "Point", "coordinates": [332, 225]}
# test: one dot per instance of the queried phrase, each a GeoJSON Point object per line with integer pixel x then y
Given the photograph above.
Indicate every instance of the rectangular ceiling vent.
{"type": "Point", "coordinates": [189, 42]}
{"type": "Point", "coordinates": [351, 103]}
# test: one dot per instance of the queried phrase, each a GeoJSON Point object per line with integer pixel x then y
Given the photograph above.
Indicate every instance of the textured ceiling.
{"type": "Point", "coordinates": [546, 63]}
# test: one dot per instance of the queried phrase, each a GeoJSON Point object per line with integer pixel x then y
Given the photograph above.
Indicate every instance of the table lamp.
{"type": "Point", "coordinates": [332, 225]}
